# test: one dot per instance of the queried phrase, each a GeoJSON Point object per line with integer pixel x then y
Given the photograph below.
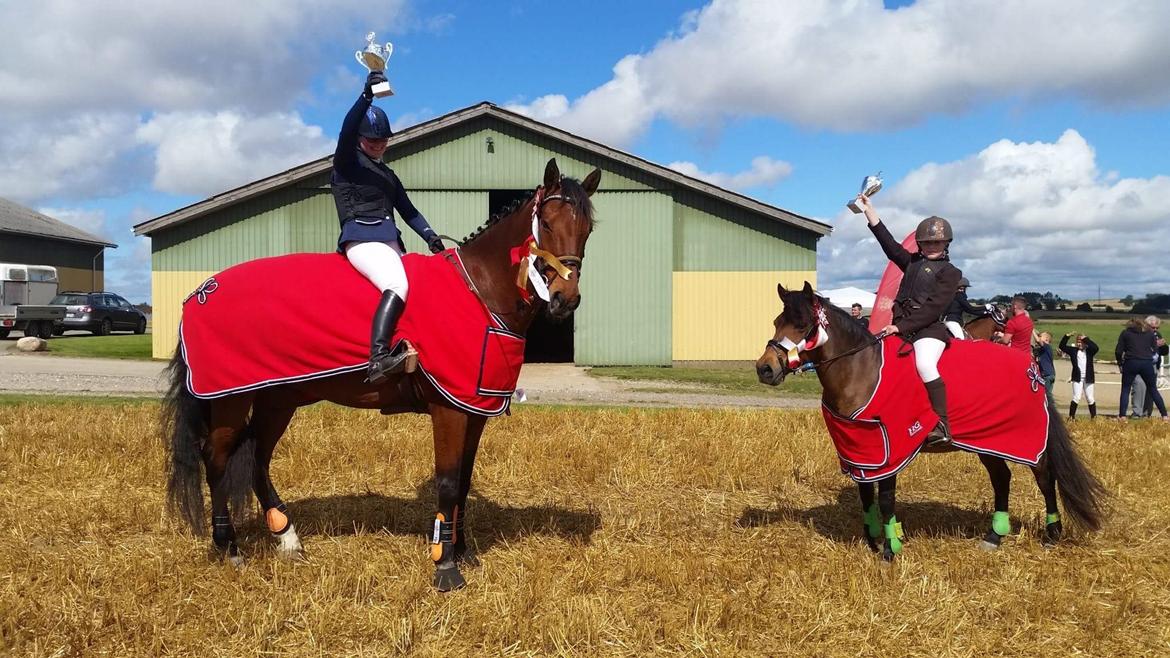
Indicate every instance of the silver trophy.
{"type": "Point", "coordinates": [374, 58]}
{"type": "Point", "coordinates": [869, 187]}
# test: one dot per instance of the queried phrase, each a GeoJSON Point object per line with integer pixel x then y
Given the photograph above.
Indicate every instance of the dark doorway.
{"type": "Point", "coordinates": [548, 341]}
{"type": "Point", "coordinates": [498, 200]}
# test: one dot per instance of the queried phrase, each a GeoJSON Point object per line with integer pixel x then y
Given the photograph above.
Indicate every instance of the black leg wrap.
{"type": "Point", "coordinates": [444, 532]}
{"type": "Point", "coordinates": [224, 535]}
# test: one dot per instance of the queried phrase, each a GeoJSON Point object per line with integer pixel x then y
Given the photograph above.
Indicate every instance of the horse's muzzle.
{"type": "Point", "coordinates": [560, 309]}
{"type": "Point", "coordinates": [770, 374]}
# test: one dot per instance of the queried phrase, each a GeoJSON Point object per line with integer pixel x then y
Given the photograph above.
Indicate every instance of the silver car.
{"type": "Point", "coordinates": [99, 312]}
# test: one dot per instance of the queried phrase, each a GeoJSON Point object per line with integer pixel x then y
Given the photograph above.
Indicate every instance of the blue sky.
{"type": "Point", "coordinates": [1040, 129]}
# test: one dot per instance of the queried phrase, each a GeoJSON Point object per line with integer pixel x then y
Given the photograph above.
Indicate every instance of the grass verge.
{"type": "Point", "coordinates": [740, 380]}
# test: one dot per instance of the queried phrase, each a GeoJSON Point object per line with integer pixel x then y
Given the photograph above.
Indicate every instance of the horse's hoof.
{"type": "Point", "coordinates": [448, 579]}
{"type": "Point", "coordinates": [236, 561]}
{"type": "Point", "coordinates": [871, 542]}
{"type": "Point", "coordinates": [991, 541]}
{"type": "Point", "coordinates": [298, 557]}
{"type": "Point", "coordinates": [888, 554]}
{"type": "Point", "coordinates": [1052, 533]}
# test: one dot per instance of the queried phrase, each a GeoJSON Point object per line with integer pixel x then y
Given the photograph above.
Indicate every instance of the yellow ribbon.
{"type": "Point", "coordinates": [553, 262]}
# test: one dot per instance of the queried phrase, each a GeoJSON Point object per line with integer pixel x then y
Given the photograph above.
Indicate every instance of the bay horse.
{"type": "Point", "coordinates": [229, 441]}
{"type": "Point", "coordinates": [848, 363]}
{"type": "Point", "coordinates": [984, 327]}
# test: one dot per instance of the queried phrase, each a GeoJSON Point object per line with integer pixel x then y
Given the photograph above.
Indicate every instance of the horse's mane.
{"type": "Point", "coordinates": [571, 189]}
{"type": "Point", "coordinates": [838, 317]}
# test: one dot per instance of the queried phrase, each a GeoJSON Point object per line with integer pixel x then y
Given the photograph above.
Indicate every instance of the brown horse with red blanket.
{"type": "Point", "coordinates": [224, 426]}
{"type": "Point", "coordinates": [876, 411]}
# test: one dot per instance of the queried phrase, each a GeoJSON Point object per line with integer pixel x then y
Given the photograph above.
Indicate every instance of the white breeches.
{"type": "Point", "coordinates": [1088, 390]}
{"type": "Point", "coordinates": [956, 329]}
{"type": "Point", "coordinates": [381, 264]}
{"type": "Point", "coordinates": [927, 352]}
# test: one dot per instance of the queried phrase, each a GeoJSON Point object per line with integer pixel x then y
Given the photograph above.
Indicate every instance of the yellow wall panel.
{"type": "Point", "coordinates": [727, 316]}
{"type": "Point", "coordinates": [169, 291]}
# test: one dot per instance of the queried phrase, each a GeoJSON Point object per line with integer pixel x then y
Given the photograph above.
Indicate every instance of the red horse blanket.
{"type": "Point", "coordinates": [995, 401]}
{"type": "Point", "coordinates": [292, 318]}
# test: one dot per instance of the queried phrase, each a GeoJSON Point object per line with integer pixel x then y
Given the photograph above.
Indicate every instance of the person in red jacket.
{"type": "Point", "coordinates": [1017, 333]}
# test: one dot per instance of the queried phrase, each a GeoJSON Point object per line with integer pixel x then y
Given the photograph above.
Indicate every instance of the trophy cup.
{"type": "Point", "coordinates": [869, 187]}
{"type": "Point", "coordinates": [374, 58]}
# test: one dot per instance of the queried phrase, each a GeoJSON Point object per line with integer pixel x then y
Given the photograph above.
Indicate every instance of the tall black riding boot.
{"type": "Point", "coordinates": [382, 362]}
{"type": "Point", "coordinates": [1072, 410]}
{"type": "Point", "coordinates": [936, 391]}
{"type": "Point", "coordinates": [1092, 410]}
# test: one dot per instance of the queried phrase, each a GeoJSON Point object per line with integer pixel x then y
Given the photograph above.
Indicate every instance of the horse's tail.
{"type": "Point", "coordinates": [185, 420]}
{"type": "Point", "coordinates": [1081, 493]}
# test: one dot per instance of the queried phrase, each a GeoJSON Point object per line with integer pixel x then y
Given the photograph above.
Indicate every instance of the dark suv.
{"type": "Point", "coordinates": [99, 312]}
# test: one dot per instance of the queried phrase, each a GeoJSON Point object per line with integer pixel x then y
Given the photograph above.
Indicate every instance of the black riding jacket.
{"type": "Point", "coordinates": [959, 306]}
{"type": "Point", "coordinates": [928, 287]}
{"type": "Point", "coordinates": [365, 188]}
{"type": "Point", "coordinates": [1090, 352]}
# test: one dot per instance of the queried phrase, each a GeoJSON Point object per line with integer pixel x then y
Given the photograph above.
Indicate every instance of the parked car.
{"type": "Point", "coordinates": [99, 312]}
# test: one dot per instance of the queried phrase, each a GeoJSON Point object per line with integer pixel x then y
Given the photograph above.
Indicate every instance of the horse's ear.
{"type": "Point", "coordinates": [552, 175]}
{"type": "Point", "coordinates": [808, 290]}
{"type": "Point", "coordinates": [591, 182]}
{"type": "Point", "coordinates": [780, 291]}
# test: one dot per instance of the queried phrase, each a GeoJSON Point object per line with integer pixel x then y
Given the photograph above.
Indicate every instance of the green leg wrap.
{"type": "Point", "coordinates": [893, 531]}
{"type": "Point", "coordinates": [1052, 518]}
{"type": "Point", "coordinates": [873, 523]}
{"type": "Point", "coordinates": [1001, 524]}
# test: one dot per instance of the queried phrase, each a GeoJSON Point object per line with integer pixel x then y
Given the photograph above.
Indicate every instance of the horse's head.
{"type": "Point", "coordinates": [562, 222]}
{"type": "Point", "coordinates": [800, 327]}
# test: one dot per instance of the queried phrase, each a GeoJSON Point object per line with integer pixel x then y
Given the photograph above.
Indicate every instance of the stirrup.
{"type": "Point", "coordinates": [938, 437]}
{"type": "Point", "coordinates": [403, 359]}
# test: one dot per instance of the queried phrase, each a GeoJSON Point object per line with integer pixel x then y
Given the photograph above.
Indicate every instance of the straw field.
{"type": "Point", "coordinates": [602, 532]}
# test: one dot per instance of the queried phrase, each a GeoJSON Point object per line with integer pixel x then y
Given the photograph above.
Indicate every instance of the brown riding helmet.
{"type": "Point", "coordinates": [933, 228]}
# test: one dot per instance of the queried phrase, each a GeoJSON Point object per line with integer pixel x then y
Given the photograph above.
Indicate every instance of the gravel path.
{"type": "Point", "coordinates": [542, 383]}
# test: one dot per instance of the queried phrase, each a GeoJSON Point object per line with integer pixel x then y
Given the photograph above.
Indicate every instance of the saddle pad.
{"type": "Point", "coordinates": [294, 318]}
{"type": "Point", "coordinates": [995, 401]}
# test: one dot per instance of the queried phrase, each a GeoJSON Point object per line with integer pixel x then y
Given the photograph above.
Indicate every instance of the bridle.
{"type": "Point", "coordinates": [788, 352]}
{"type": "Point", "coordinates": [529, 252]}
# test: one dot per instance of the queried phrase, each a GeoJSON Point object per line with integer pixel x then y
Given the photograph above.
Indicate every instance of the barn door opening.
{"type": "Point", "coordinates": [548, 341]}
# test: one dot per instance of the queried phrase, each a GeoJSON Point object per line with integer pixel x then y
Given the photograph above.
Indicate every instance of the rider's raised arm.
{"type": "Point", "coordinates": [347, 138]}
{"type": "Point", "coordinates": [894, 250]}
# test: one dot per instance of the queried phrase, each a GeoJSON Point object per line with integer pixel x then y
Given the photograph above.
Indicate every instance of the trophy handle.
{"type": "Point", "coordinates": [360, 60]}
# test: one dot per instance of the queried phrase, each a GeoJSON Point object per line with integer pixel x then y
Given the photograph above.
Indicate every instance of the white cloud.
{"type": "Point", "coordinates": [202, 153]}
{"type": "Point", "coordinates": [90, 221]}
{"type": "Point", "coordinates": [1027, 216]}
{"type": "Point", "coordinates": [79, 79]}
{"type": "Point", "coordinates": [857, 66]}
{"type": "Point", "coordinates": [764, 172]}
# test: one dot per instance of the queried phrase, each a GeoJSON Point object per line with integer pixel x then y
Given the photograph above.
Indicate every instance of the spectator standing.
{"type": "Point", "coordinates": [855, 312]}
{"type": "Point", "coordinates": [1082, 372]}
{"type": "Point", "coordinates": [1043, 355]}
{"type": "Point", "coordinates": [1017, 333]}
{"type": "Point", "coordinates": [1136, 347]}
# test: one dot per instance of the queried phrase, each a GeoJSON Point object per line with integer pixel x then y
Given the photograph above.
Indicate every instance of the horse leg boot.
{"type": "Point", "coordinates": [1072, 410]}
{"type": "Point", "coordinates": [940, 436]}
{"type": "Point", "coordinates": [382, 361]}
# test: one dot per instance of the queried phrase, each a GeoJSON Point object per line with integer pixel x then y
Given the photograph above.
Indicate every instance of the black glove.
{"type": "Point", "coordinates": [372, 79]}
{"type": "Point", "coordinates": [435, 244]}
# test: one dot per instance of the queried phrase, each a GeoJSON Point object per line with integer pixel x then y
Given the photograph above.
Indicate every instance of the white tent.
{"type": "Point", "coordinates": [846, 297]}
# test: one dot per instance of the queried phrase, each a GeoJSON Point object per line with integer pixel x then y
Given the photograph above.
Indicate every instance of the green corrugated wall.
{"type": "Point", "coordinates": [624, 317]}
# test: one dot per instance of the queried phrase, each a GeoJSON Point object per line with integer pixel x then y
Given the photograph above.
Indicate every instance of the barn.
{"type": "Point", "coordinates": [31, 238]}
{"type": "Point", "coordinates": [677, 269]}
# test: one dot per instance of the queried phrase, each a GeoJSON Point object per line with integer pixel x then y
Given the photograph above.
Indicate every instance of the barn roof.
{"type": "Point", "coordinates": [407, 135]}
{"type": "Point", "coordinates": [17, 219]}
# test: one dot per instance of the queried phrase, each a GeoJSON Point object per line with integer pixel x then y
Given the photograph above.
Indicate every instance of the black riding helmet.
{"type": "Point", "coordinates": [934, 228]}
{"type": "Point", "coordinates": [375, 124]}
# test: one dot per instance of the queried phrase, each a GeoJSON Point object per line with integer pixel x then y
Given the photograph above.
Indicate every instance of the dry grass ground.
{"type": "Point", "coordinates": [602, 532]}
